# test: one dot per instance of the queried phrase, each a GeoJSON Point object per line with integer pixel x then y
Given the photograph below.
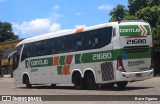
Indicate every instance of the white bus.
{"type": "Point", "coordinates": [105, 55]}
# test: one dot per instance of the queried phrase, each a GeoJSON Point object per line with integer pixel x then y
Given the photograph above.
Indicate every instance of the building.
{"type": "Point", "coordinates": [5, 49]}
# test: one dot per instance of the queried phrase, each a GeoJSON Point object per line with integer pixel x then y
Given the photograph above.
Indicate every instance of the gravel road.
{"type": "Point", "coordinates": [147, 87]}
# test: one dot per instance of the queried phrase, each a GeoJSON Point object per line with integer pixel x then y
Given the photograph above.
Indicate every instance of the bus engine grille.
{"type": "Point", "coordinates": [107, 71]}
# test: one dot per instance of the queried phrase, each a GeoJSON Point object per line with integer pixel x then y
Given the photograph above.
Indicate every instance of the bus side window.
{"type": "Point", "coordinates": [53, 46]}
{"type": "Point", "coordinates": [39, 48]}
{"type": "Point", "coordinates": [47, 49]}
{"type": "Point", "coordinates": [106, 36]}
{"type": "Point", "coordinates": [92, 39]}
{"type": "Point", "coordinates": [114, 32]}
{"type": "Point", "coordinates": [24, 53]}
{"type": "Point", "coordinates": [16, 57]}
{"type": "Point", "coordinates": [78, 42]}
{"type": "Point", "coordinates": [27, 51]}
{"type": "Point", "coordinates": [96, 42]}
{"type": "Point", "coordinates": [69, 43]}
{"type": "Point", "coordinates": [60, 45]}
{"type": "Point", "coordinates": [15, 61]}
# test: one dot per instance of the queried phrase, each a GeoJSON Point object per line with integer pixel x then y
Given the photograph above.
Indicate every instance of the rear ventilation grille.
{"type": "Point", "coordinates": [136, 48]}
{"type": "Point", "coordinates": [107, 71]}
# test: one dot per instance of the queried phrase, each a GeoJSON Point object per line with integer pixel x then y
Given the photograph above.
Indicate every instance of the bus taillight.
{"type": "Point", "coordinates": [120, 66]}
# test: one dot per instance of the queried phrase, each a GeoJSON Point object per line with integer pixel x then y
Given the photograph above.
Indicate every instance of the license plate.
{"type": "Point", "coordinates": [138, 75]}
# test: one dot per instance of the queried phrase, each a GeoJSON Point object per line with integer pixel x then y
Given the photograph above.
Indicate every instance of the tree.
{"type": "Point", "coordinates": [6, 32]}
{"type": "Point", "coordinates": [136, 5]}
{"type": "Point", "coordinates": [151, 14]}
{"type": "Point", "coordinates": [118, 13]}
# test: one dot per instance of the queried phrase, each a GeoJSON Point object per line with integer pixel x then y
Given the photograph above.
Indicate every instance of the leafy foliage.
{"type": "Point", "coordinates": [136, 5]}
{"type": "Point", "coordinates": [151, 14]}
{"type": "Point", "coordinates": [6, 32]}
{"type": "Point", "coordinates": [118, 13]}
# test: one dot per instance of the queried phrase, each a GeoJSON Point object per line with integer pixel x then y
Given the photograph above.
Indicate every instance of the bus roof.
{"type": "Point", "coordinates": [72, 31]}
{"type": "Point", "coordinates": [62, 33]}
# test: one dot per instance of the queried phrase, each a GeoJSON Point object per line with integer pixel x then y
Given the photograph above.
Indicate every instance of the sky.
{"type": "Point", "coordinates": [35, 17]}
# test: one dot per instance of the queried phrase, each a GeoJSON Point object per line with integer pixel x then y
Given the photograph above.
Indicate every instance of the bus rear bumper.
{"type": "Point", "coordinates": [134, 76]}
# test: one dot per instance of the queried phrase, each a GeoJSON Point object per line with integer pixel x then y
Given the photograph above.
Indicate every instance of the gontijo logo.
{"type": "Point", "coordinates": [134, 30]}
{"type": "Point", "coordinates": [39, 62]}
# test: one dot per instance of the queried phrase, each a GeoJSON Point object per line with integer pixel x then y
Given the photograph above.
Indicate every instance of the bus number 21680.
{"type": "Point", "coordinates": [136, 41]}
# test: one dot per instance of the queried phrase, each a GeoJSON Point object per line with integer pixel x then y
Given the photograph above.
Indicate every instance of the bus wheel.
{"type": "Point", "coordinates": [90, 81]}
{"type": "Point", "coordinates": [78, 81]}
{"type": "Point", "coordinates": [122, 85]}
{"type": "Point", "coordinates": [53, 85]}
{"type": "Point", "coordinates": [28, 85]}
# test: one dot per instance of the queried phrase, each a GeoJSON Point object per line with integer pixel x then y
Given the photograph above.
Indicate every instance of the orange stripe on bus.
{"type": "Point", "coordinates": [56, 60]}
{"type": "Point", "coordinates": [66, 70]}
{"type": "Point", "coordinates": [79, 30]}
{"type": "Point", "coordinates": [69, 59]}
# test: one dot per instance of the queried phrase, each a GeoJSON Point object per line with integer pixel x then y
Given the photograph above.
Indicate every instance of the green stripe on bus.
{"type": "Point", "coordinates": [59, 70]}
{"type": "Point", "coordinates": [91, 57]}
{"type": "Point", "coordinates": [62, 60]}
{"type": "Point", "coordinates": [77, 58]}
{"type": "Point", "coordinates": [111, 55]}
{"type": "Point", "coordinates": [94, 57]}
{"type": "Point", "coordinates": [97, 56]}
{"type": "Point", "coordinates": [132, 55]}
{"type": "Point", "coordinates": [148, 29]}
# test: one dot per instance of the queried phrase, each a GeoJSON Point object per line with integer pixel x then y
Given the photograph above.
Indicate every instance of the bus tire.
{"type": "Point", "coordinates": [28, 84]}
{"type": "Point", "coordinates": [78, 81]}
{"type": "Point", "coordinates": [90, 81]}
{"type": "Point", "coordinates": [122, 85]}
